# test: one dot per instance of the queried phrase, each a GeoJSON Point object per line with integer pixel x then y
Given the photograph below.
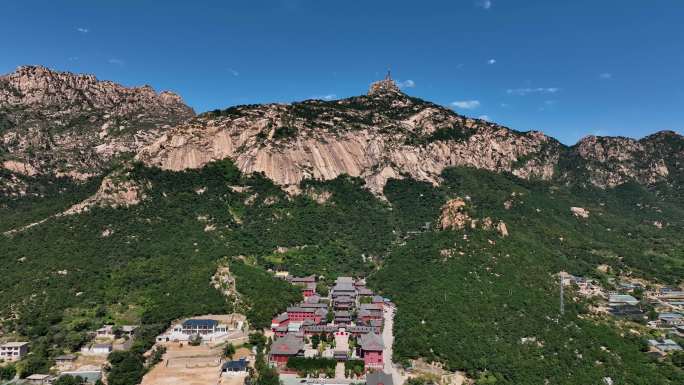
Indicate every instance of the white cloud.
{"type": "Point", "coordinates": [233, 72]}
{"type": "Point", "coordinates": [527, 91]}
{"type": "Point", "coordinates": [406, 84]}
{"type": "Point", "coordinates": [484, 4]}
{"type": "Point", "coordinates": [485, 118]}
{"type": "Point", "coordinates": [82, 30]}
{"type": "Point", "coordinates": [491, 61]}
{"type": "Point", "coordinates": [504, 105]}
{"type": "Point", "coordinates": [606, 76]}
{"type": "Point", "coordinates": [466, 104]}
{"type": "Point", "coordinates": [325, 97]}
{"type": "Point", "coordinates": [116, 61]}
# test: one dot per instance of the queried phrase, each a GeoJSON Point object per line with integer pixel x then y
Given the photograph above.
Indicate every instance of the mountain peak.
{"type": "Point", "coordinates": [386, 86]}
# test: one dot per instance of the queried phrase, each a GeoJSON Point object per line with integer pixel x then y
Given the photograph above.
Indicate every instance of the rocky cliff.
{"type": "Point", "coordinates": [388, 134]}
{"type": "Point", "coordinates": [74, 125]}
{"type": "Point", "coordinates": [384, 134]}
{"type": "Point", "coordinates": [66, 124]}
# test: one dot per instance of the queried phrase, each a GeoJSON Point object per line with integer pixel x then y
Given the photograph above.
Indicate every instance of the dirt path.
{"type": "Point", "coordinates": [388, 341]}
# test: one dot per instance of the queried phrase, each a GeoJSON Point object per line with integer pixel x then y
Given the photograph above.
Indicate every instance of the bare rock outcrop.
{"type": "Point", "coordinates": [579, 212]}
{"type": "Point", "coordinates": [57, 122]}
{"type": "Point", "coordinates": [612, 161]}
{"type": "Point", "coordinates": [116, 190]}
{"type": "Point", "coordinates": [387, 134]}
{"type": "Point", "coordinates": [71, 125]}
{"type": "Point", "coordinates": [453, 215]}
{"type": "Point", "coordinates": [380, 136]}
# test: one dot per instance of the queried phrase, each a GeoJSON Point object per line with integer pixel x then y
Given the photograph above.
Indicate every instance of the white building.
{"type": "Point", "coordinates": [208, 329]}
{"type": "Point", "coordinates": [13, 351]}
{"type": "Point", "coordinates": [97, 349]}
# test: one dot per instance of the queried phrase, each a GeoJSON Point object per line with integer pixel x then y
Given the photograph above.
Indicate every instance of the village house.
{"type": "Point", "coordinates": [39, 379]}
{"type": "Point", "coordinates": [13, 351]}
{"type": "Point", "coordinates": [282, 274]}
{"type": "Point", "coordinates": [370, 349]}
{"type": "Point", "coordinates": [285, 347]}
{"type": "Point", "coordinates": [107, 331]}
{"type": "Point", "coordinates": [128, 330]}
{"type": "Point", "coordinates": [679, 330]}
{"type": "Point", "coordinates": [670, 319]}
{"type": "Point", "coordinates": [97, 349]}
{"type": "Point", "coordinates": [65, 362]}
{"type": "Point", "coordinates": [621, 300]}
{"type": "Point", "coordinates": [629, 312]}
{"type": "Point", "coordinates": [235, 367]}
{"type": "Point", "coordinates": [665, 346]}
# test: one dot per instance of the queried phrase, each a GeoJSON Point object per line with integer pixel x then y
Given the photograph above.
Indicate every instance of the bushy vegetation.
{"type": "Point", "coordinates": [312, 367]}
{"type": "Point", "coordinates": [153, 262]}
{"type": "Point", "coordinates": [265, 295]}
{"type": "Point", "coordinates": [494, 301]}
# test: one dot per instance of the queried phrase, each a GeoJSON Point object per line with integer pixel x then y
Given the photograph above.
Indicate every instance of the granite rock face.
{"type": "Point", "coordinates": [387, 134]}
{"type": "Point", "coordinates": [73, 125]}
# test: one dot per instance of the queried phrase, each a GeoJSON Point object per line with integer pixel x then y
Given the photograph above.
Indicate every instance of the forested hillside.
{"type": "Point", "coordinates": [470, 298]}
{"type": "Point", "coordinates": [465, 297]}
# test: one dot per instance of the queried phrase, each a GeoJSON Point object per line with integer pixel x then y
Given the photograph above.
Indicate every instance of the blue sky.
{"type": "Point", "coordinates": [568, 68]}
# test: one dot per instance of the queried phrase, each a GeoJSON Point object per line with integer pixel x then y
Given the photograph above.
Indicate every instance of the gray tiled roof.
{"type": "Point", "coordinates": [289, 345]}
{"type": "Point", "coordinates": [379, 378]}
{"type": "Point", "coordinates": [300, 309]}
{"type": "Point", "coordinates": [371, 341]}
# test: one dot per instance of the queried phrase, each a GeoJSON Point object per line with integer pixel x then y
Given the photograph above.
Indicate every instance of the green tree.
{"type": "Point", "coordinates": [678, 359]}
{"type": "Point", "coordinates": [257, 339]}
{"type": "Point", "coordinates": [7, 372]}
{"type": "Point", "coordinates": [229, 351]}
{"type": "Point", "coordinates": [69, 380]}
{"type": "Point", "coordinates": [268, 376]}
{"type": "Point", "coordinates": [195, 340]}
{"type": "Point", "coordinates": [126, 368]}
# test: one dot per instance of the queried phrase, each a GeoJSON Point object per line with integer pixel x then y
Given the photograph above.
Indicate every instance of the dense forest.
{"type": "Point", "coordinates": [152, 263]}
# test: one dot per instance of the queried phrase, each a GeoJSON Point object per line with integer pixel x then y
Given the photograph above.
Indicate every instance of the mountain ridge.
{"type": "Point", "coordinates": [378, 136]}
{"type": "Point", "coordinates": [72, 125]}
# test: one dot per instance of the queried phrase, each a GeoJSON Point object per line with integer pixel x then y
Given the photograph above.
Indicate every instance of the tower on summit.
{"type": "Point", "coordinates": [384, 86]}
